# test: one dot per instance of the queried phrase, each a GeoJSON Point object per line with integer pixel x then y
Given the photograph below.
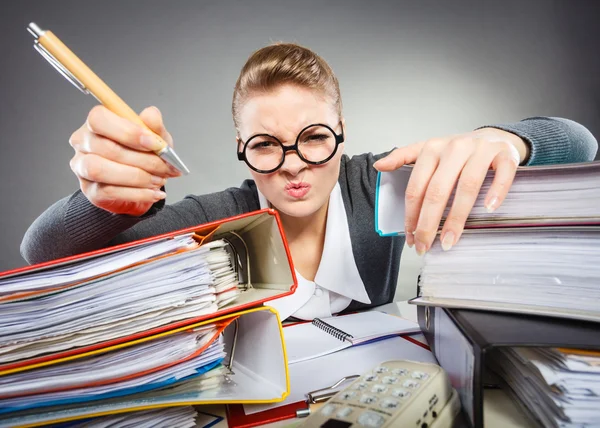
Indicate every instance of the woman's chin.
{"type": "Point", "coordinates": [299, 209]}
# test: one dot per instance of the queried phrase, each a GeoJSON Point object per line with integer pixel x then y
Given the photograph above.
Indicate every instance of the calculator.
{"type": "Point", "coordinates": [393, 394]}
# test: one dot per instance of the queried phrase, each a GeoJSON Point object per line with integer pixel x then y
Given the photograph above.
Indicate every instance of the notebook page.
{"type": "Point", "coordinates": [307, 341]}
{"type": "Point", "coordinates": [364, 326]}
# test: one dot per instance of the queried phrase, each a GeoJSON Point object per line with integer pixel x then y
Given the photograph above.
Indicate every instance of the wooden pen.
{"type": "Point", "coordinates": [74, 70]}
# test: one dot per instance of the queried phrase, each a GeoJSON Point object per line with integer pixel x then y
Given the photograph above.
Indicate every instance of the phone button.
{"type": "Point", "coordinates": [419, 375]}
{"type": "Point", "coordinates": [371, 378]}
{"type": "Point", "coordinates": [368, 399]}
{"type": "Point", "coordinates": [344, 413]}
{"type": "Point", "coordinates": [401, 393]}
{"type": "Point", "coordinates": [347, 395]}
{"type": "Point", "coordinates": [390, 380]}
{"type": "Point", "coordinates": [410, 384]}
{"type": "Point", "coordinates": [370, 419]}
{"type": "Point", "coordinates": [389, 403]}
{"type": "Point", "coordinates": [328, 409]}
{"type": "Point", "coordinates": [400, 372]}
{"type": "Point", "coordinates": [379, 389]}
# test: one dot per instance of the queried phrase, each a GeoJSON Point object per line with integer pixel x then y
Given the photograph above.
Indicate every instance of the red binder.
{"type": "Point", "coordinates": [273, 276]}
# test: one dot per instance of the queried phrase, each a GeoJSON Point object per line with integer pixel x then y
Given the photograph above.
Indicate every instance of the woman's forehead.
{"type": "Point", "coordinates": [285, 112]}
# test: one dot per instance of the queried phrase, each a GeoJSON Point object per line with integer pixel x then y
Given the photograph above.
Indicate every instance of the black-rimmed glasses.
{"type": "Point", "coordinates": [315, 145]}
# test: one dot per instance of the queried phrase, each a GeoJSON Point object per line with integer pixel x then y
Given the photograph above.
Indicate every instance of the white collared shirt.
{"type": "Point", "coordinates": [337, 281]}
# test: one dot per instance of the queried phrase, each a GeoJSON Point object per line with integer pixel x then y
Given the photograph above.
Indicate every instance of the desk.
{"type": "Point", "coordinates": [499, 410]}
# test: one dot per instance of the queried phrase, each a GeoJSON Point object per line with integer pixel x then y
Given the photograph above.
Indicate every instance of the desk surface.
{"type": "Point", "coordinates": [499, 410]}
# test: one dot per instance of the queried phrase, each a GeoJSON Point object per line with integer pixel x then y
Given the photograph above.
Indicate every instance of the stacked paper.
{"type": "Point", "coordinates": [560, 388]}
{"type": "Point", "coordinates": [537, 253]}
{"type": "Point", "coordinates": [116, 296]}
{"type": "Point", "coordinates": [539, 195]}
{"type": "Point", "coordinates": [117, 303]}
{"type": "Point", "coordinates": [180, 417]}
{"type": "Point", "coordinates": [553, 271]}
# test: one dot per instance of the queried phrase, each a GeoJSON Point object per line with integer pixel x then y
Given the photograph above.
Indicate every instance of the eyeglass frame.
{"type": "Point", "coordinates": [339, 139]}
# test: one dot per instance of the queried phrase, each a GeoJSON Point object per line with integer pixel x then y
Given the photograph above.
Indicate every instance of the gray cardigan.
{"type": "Point", "coordinates": [73, 225]}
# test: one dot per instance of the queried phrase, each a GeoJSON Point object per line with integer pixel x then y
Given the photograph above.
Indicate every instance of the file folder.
{"type": "Point", "coordinates": [461, 338]}
{"type": "Point", "coordinates": [541, 195]}
{"type": "Point", "coordinates": [265, 269]}
{"type": "Point", "coordinates": [259, 374]}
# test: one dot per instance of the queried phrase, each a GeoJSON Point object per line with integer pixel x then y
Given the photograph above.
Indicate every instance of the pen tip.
{"type": "Point", "coordinates": [172, 159]}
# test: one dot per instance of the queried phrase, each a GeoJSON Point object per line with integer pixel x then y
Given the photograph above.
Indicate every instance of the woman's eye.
{"type": "Point", "coordinates": [262, 145]}
{"type": "Point", "coordinates": [316, 138]}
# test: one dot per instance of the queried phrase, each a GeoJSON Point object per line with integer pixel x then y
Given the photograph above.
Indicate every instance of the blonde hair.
{"type": "Point", "coordinates": [284, 63]}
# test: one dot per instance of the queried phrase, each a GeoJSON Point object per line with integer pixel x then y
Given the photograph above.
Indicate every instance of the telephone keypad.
{"type": "Point", "coordinates": [381, 397]}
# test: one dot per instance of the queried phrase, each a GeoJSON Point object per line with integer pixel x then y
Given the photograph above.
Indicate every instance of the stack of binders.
{"type": "Point", "coordinates": [516, 302]}
{"type": "Point", "coordinates": [144, 330]}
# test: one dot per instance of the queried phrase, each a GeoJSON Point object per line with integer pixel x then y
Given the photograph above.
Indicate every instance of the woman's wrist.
{"type": "Point", "coordinates": [519, 143]}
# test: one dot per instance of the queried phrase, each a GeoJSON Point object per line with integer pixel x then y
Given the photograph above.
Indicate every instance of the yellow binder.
{"type": "Point", "coordinates": [256, 360]}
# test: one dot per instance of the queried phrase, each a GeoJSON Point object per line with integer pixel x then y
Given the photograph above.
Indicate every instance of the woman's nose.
{"type": "Point", "coordinates": [292, 163]}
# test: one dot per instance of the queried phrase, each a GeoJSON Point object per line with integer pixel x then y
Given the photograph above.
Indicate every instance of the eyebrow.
{"type": "Point", "coordinates": [297, 134]}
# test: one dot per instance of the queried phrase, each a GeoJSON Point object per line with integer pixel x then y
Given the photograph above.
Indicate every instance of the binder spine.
{"type": "Point", "coordinates": [329, 329]}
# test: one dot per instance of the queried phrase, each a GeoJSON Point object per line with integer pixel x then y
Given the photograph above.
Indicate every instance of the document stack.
{"type": "Point", "coordinates": [561, 387]}
{"type": "Point", "coordinates": [536, 255]}
{"type": "Point", "coordinates": [149, 325]}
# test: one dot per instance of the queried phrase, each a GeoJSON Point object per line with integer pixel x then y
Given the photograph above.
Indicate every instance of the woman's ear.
{"type": "Point", "coordinates": [343, 121]}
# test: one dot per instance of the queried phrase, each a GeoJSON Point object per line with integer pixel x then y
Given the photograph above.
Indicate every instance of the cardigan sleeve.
{"type": "Point", "coordinates": [553, 140]}
{"type": "Point", "coordinates": [73, 225]}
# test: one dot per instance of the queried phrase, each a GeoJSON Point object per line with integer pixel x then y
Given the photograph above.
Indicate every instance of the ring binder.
{"type": "Point", "coordinates": [334, 331]}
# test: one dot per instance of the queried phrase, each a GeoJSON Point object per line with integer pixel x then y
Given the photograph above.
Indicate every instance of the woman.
{"type": "Point", "coordinates": [287, 112]}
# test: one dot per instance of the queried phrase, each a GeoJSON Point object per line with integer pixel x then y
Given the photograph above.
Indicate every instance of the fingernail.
{"type": "Point", "coordinates": [159, 194]}
{"type": "Point", "coordinates": [420, 247]}
{"type": "Point", "coordinates": [158, 181]}
{"type": "Point", "coordinates": [173, 171]}
{"type": "Point", "coordinates": [410, 239]}
{"type": "Point", "coordinates": [149, 141]}
{"type": "Point", "coordinates": [492, 204]}
{"type": "Point", "coordinates": [448, 241]}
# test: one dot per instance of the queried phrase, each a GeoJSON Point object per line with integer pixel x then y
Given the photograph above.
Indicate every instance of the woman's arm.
{"type": "Point", "coordinates": [73, 225]}
{"type": "Point", "coordinates": [553, 140]}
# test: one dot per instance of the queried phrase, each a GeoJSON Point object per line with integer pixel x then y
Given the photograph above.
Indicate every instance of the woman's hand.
{"type": "Point", "coordinates": [114, 162]}
{"type": "Point", "coordinates": [441, 164]}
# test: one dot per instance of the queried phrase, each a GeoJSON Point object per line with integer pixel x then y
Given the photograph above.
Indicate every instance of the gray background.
{"type": "Point", "coordinates": [408, 70]}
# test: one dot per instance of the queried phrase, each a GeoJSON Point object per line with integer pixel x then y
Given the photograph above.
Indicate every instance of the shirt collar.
{"type": "Point", "coordinates": [337, 270]}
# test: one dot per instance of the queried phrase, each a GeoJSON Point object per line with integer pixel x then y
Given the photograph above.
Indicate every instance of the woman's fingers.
{"type": "Point", "coordinates": [152, 117]}
{"type": "Point", "coordinates": [110, 197]}
{"type": "Point", "coordinates": [467, 190]}
{"type": "Point", "coordinates": [399, 157]}
{"type": "Point", "coordinates": [97, 169]}
{"type": "Point", "coordinates": [423, 170]}
{"type": "Point", "coordinates": [435, 199]}
{"type": "Point", "coordinates": [469, 187]}
{"type": "Point", "coordinates": [90, 143]}
{"type": "Point", "coordinates": [104, 122]}
{"type": "Point", "coordinates": [505, 166]}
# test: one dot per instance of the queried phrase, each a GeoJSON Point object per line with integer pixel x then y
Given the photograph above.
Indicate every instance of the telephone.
{"type": "Point", "coordinates": [394, 394]}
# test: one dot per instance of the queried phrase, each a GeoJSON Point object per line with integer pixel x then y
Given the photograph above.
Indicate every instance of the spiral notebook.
{"type": "Point", "coordinates": [324, 336]}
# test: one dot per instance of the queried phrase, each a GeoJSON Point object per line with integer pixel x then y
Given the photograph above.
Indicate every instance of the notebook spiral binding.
{"type": "Point", "coordinates": [328, 328]}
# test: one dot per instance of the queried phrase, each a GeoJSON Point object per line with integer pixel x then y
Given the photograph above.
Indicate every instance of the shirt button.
{"type": "Point", "coordinates": [318, 292]}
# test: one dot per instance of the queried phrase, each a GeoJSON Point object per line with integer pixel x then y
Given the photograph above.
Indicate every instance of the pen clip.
{"type": "Point", "coordinates": [59, 67]}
